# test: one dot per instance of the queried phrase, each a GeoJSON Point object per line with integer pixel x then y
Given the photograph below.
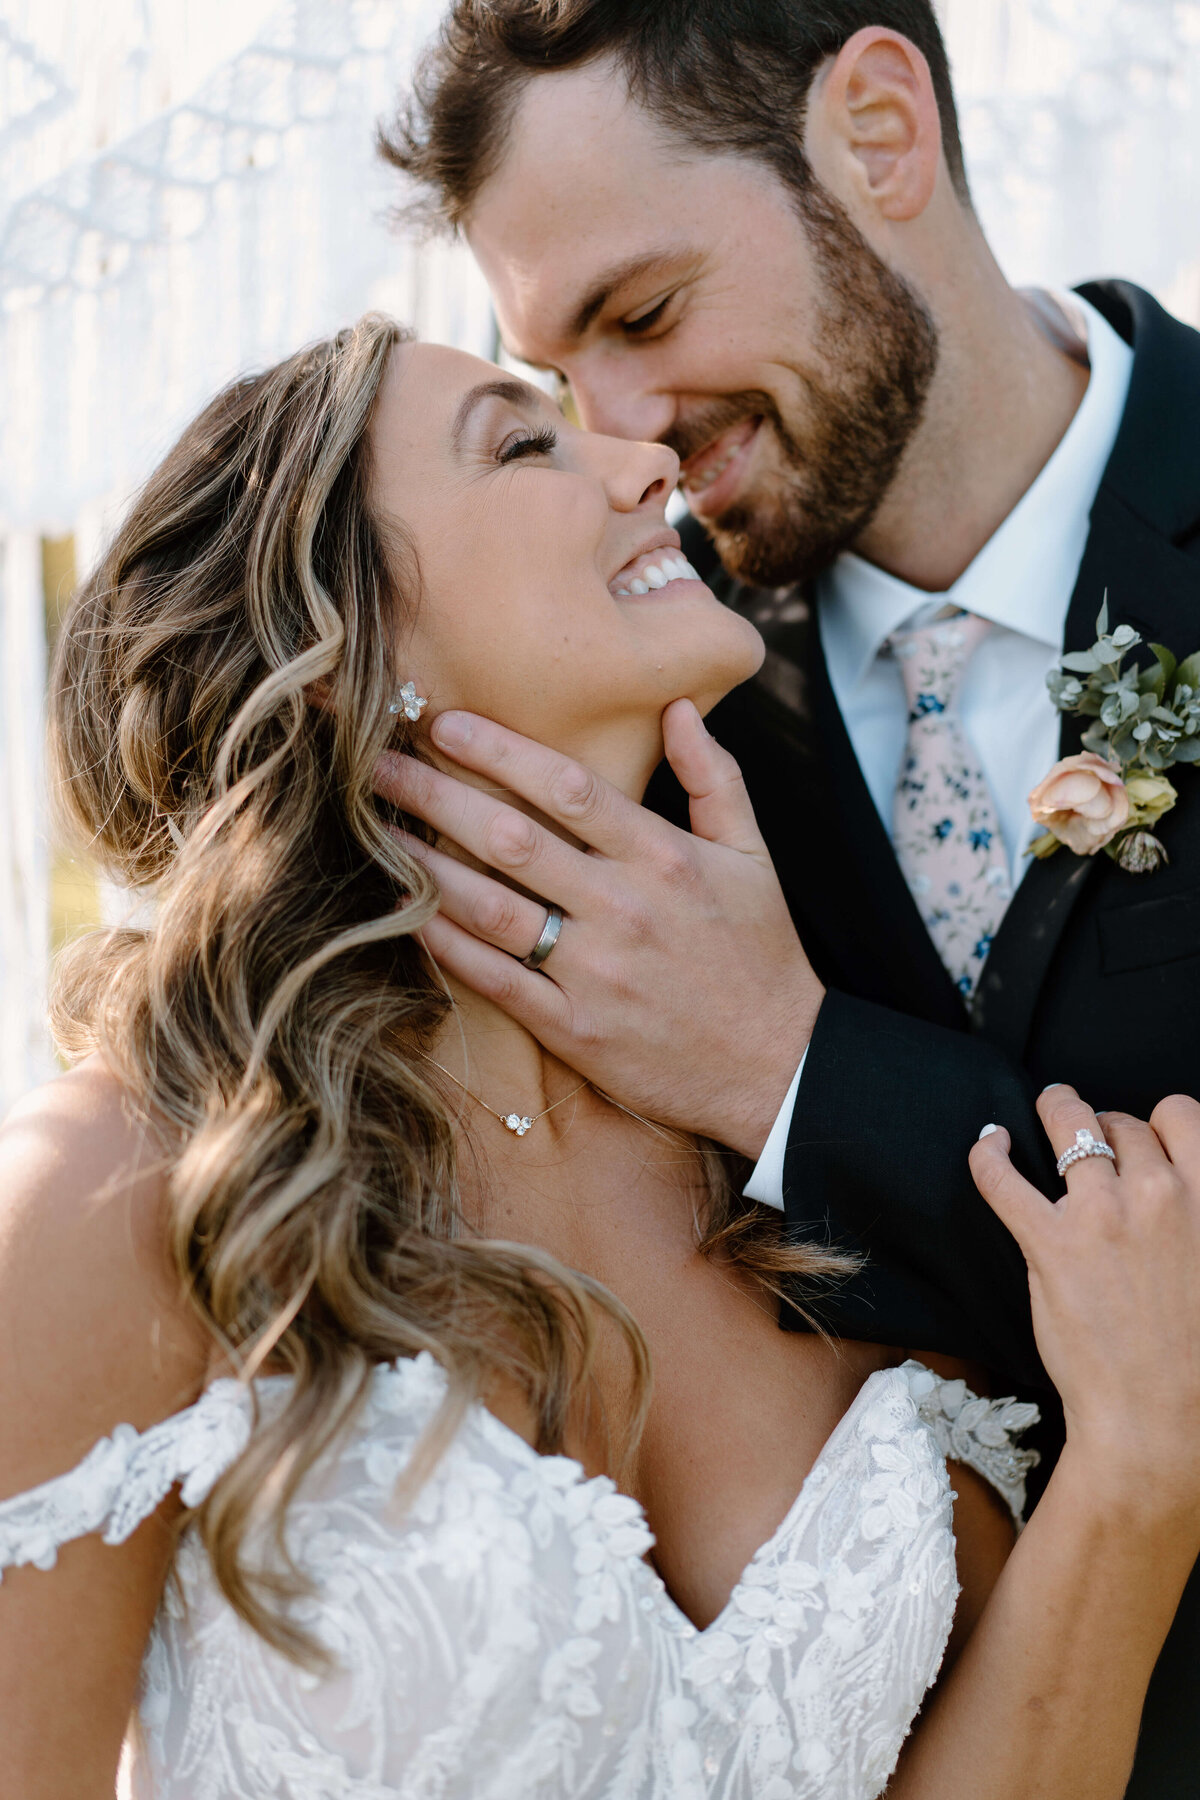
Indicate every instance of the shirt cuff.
{"type": "Point", "coordinates": [766, 1183]}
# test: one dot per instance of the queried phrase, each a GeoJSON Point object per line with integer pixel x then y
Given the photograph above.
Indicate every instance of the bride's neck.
{"type": "Point", "coordinates": [502, 1065]}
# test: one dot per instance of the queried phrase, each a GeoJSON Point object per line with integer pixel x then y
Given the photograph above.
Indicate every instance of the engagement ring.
{"type": "Point", "coordinates": [1085, 1145]}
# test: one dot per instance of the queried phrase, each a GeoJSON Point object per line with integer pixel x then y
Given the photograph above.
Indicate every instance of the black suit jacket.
{"type": "Point", "coordinates": [1094, 977]}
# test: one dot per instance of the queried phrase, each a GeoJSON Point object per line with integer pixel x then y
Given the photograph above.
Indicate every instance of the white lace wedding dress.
{"type": "Point", "coordinates": [505, 1638]}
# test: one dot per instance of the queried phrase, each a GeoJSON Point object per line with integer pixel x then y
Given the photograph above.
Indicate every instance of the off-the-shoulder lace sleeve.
{"type": "Point", "coordinates": [125, 1477]}
{"type": "Point", "coordinates": [982, 1434]}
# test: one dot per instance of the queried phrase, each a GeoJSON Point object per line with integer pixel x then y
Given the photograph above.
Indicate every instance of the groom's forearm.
{"type": "Point", "coordinates": [885, 1116]}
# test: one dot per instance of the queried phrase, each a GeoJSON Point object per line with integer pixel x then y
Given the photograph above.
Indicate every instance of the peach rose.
{"type": "Point", "coordinates": [1082, 802]}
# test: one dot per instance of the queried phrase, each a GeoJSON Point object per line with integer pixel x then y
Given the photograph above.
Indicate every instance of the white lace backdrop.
{"type": "Point", "coordinates": [187, 188]}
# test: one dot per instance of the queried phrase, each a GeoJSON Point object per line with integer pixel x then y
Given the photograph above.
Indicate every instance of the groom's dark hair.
{"type": "Point", "coordinates": [726, 75]}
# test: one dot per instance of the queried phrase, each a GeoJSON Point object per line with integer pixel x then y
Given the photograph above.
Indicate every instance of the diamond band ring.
{"type": "Point", "coordinates": [1085, 1145]}
{"type": "Point", "coordinates": [547, 941]}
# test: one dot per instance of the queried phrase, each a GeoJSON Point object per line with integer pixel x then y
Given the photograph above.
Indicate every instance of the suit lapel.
{"type": "Point", "coordinates": [1149, 495]}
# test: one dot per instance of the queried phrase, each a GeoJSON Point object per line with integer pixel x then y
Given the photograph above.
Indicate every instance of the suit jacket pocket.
{"type": "Point", "coordinates": [1151, 932]}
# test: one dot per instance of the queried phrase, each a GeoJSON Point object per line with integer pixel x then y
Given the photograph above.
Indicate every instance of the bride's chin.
{"type": "Point", "coordinates": [744, 660]}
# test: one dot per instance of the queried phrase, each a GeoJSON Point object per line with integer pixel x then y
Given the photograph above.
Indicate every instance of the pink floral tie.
{"type": "Point", "coordinates": [945, 830]}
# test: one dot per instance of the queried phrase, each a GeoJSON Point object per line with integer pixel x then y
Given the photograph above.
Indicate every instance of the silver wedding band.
{"type": "Point", "coordinates": [1085, 1145]}
{"type": "Point", "coordinates": [545, 944]}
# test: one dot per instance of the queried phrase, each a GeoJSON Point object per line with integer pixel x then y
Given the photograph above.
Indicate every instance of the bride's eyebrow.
{"type": "Point", "coordinates": [516, 393]}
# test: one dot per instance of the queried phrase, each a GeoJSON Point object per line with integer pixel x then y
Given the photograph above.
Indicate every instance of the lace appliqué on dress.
{"type": "Point", "coordinates": [125, 1477]}
{"type": "Point", "coordinates": [505, 1637]}
{"type": "Point", "coordinates": [980, 1433]}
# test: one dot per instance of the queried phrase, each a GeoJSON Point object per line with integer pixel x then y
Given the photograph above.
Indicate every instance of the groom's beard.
{"type": "Point", "coordinates": [834, 465]}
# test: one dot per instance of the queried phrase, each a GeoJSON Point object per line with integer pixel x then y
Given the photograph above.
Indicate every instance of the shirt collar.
{"type": "Point", "coordinates": [1024, 576]}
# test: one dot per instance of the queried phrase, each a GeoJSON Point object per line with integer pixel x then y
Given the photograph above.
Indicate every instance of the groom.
{"type": "Point", "coordinates": [743, 227]}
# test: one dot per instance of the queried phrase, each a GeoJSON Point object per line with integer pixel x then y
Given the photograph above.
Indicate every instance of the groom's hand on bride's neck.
{"type": "Point", "coordinates": [678, 984]}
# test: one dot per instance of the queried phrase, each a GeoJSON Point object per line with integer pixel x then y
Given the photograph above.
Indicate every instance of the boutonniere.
{"type": "Point", "coordinates": [1143, 722]}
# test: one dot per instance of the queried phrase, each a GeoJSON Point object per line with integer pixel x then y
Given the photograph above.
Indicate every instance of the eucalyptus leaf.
{"type": "Point", "coordinates": [1152, 682]}
{"type": "Point", "coordinates": [1188, 671]}
{"type": "Point", "coordinates": [1166, 661]}
{"type": "Point", "coordinates": [1143, 732]}
{"type": "Point", "coordinates": [1081, 662]}
{"type": "Point", "coordinates": [1125, 637]}
{"type": "Point", "coordinates": [1147, 705]}
{"type": "Point", "coordinates": [1065, 690]}
{"type": "Point", "coordinates": [1165, 716]}
{"type": "Point", "coordinates": [1107, 652]}
{"type": "Point", "coordinates": [1089, 705]}
{"type": "Point", "coordinates": [1102, 620]}
{"type": "Point", "coordinates": [1187, 750]}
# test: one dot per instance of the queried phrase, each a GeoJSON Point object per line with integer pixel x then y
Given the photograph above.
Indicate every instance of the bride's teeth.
{"type": "Point", "coordinates": [672, 566]}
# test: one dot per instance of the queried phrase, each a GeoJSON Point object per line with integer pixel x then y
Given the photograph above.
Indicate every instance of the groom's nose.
{"type": "Point", "coordinates": [610, 398]}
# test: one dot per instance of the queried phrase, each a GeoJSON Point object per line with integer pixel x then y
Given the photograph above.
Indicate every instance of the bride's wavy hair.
{"type": "Point", "coordinates": [270, 1022]}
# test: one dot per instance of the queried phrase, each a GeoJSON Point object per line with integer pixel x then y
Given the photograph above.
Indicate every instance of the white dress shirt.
{"type": "Point", "coordinates": [1022, 580]}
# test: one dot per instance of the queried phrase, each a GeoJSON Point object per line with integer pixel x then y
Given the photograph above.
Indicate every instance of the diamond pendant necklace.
{"type": "Point", "coordinates": [517, 1123]}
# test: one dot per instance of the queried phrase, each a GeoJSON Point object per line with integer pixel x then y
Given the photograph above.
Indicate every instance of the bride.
{"type": "Point", "coordinates": [384, 1411]}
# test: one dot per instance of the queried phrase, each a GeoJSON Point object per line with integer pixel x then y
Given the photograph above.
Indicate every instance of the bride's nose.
{"type": "Point", "coordinates": [639, 475]}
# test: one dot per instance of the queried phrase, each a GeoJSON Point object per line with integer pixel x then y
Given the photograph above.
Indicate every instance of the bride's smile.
{"type": "Point", "coordinates": [552, 595]}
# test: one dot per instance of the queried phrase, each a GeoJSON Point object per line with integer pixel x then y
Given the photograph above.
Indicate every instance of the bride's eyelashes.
{"type": "Point", "coordinates": [537, 443]}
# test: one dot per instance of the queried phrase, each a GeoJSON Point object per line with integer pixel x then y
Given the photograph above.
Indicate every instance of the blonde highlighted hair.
{"type": "Point", "coordinates": [272, 1020]}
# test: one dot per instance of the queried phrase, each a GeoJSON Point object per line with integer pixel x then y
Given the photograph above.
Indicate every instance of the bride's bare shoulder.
{"type": "Point", "coordinates": [94, 1327]}
{"type": "Point", "coordinates": [77, 1147]}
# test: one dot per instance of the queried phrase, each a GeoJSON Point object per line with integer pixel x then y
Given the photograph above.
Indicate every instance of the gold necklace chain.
{"type": "Point", "coordinates": [517, 1123]}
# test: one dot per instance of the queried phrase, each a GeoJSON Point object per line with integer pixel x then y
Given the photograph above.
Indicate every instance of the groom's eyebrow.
{"type": "Point", "coordinates": [516, 393]}
{"type": "Point", "coordinates": [611, 280]}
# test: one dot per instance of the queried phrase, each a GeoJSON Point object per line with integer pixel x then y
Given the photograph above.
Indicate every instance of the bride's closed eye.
{"type": "Point", "coordinates": [536, 443]}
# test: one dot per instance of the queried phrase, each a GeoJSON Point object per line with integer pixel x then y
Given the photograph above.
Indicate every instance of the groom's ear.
{"type": "Point", "coordinates": [873, 134]}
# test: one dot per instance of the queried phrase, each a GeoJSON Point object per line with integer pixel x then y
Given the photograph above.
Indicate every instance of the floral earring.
{"type": "Point", "coordinates": [409, 702]}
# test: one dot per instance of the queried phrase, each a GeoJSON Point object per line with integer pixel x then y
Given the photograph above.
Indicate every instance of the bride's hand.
{"type": "Point", "coordinates": [1114, 1276]}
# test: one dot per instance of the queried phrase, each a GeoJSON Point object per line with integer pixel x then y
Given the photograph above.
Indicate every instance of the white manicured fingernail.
{"type": "Point", "coordinates": [987, 1131]}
